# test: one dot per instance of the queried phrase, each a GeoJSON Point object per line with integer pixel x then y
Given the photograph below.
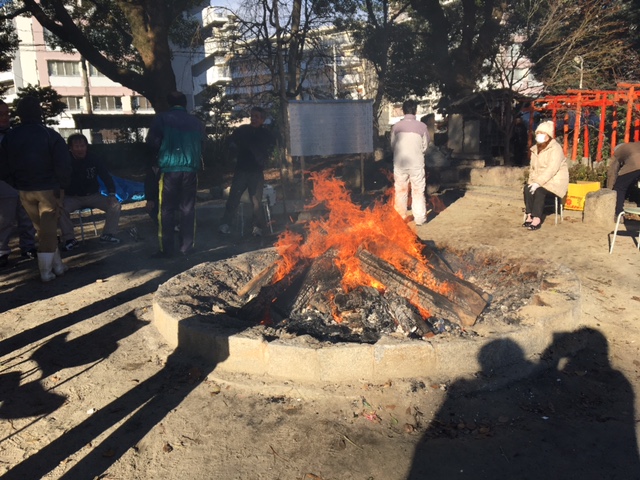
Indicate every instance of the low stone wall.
{"type": "Point", "coordinates": [253, 350]}
{"type": "Point", "coordinates": [498, 177]}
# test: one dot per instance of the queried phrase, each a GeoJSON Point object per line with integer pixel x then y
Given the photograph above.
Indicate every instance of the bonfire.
{"type": "Point", "coordinates": [358, 273]}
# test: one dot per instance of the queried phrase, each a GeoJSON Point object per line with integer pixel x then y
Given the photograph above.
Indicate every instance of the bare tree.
{"type": "Point", "coordinates": [126, 40]}
{"type": "Point", "coordinates": [586, 44]}
{"type": "Point", "coordinates": [274, 51]}
{"type": "Point", "coordinates": [381, 29]}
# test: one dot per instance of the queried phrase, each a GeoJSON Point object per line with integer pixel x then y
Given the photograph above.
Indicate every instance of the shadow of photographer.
{"type": "Point", "coordinates": [573, 418]}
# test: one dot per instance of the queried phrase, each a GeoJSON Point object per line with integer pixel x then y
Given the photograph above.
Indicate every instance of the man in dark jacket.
{"type": "Point", "coordinates": [11, 210]}
{"type": "Point", "coordinates": [34, 159]}
{"type": "Point", "coordinates": [84, 192]}
{"type": "Point", "coordinates": [624, 170]}
{"type": "Point", "coordinates": [253, 145]}
{"type": "Point", "coordinates": [178, 138]}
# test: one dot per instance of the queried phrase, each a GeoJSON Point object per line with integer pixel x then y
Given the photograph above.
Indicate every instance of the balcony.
{"type": "Point", "coordinates": [6, 77]}
{"type": "Point", "coordinates": [215, 16]}
{"type": "Point", "coordinates": [218, 76]}
{"type": "Point", "coordinates": [216, 46]}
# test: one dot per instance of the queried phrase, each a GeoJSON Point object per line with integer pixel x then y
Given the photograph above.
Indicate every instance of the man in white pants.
{"type": "Point", "coordinates": [409, 140]}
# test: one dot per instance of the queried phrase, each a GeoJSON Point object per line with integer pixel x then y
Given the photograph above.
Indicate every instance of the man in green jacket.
{"type": "Point", "coordinates": [178, 138]}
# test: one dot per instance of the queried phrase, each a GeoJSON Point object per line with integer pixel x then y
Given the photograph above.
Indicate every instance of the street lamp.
{"type": "Point", "coordinates": [580, 66]}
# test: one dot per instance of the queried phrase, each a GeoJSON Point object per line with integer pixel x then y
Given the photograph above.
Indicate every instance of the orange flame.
{"type": "Point", "coordinates": [379, 229]}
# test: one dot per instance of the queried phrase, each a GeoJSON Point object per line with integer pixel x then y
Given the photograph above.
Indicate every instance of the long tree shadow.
{"type": "Point", "coordinates": [143, 407]}
{"type": "Point", "coordinates": [574, 419]}
{"type": "Point", "coordinates": [30, 398]}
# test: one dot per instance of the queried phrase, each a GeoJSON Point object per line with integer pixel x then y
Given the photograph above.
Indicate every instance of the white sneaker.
{"type": "Point", "coordinates": [256, 232]}
{"type": "Point", "coordinates": [225, 229]}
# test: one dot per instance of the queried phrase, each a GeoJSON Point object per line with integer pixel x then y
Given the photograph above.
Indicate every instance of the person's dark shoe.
{"type": "Point", "coordinates": [4, 261]}
{"type": "Point", "coordinates": [71, 244]}
{"type": "Point", "coordinates": [133, 233]}
{"type": "Point", "coordinates": [109, 238]}
{"type": "Point", "coordinates": [30, 254]}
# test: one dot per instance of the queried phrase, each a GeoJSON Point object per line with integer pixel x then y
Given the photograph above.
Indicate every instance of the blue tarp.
{"type": "Point", "coordinates": [126, 190]}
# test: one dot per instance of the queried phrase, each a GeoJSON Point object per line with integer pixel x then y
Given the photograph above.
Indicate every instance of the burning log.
{"type": "Point", "coordinates": [434, 259]}
{"type": "Point", "coordinates": [263, 278]}
{"type": "Point", "coordinates": [323, 276]}
{"type": "Point", "coordinates": [258, 308]}
{"type": "Point", "coordinates": [466, 294]}
{"type": "Point", "coordinates": [435, 303]}
{"type": "Point", "coordinates": [317, 304]}
{"type": "Point", "coordinates": [405, 316]}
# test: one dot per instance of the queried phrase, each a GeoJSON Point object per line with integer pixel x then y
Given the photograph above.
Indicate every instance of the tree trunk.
{"type": "Point", "coordinates": [150, 21]}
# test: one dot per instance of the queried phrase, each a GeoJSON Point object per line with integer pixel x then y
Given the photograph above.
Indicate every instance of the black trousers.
{"type": "Point", "coordinates": [177, 195]}
{"type": "Point", "coordinates": [534, 203]}
{"type": "Point", "coordinates": [623, 182]}
{"type": "Point", "coordinates": [253, 181]}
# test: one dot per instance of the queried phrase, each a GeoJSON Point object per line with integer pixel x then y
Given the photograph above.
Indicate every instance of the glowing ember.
{"type": "Point", "coordinates": [347, 228]}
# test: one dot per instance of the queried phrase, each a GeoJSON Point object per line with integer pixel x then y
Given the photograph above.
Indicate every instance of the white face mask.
{"type": "Point", "coordinates": [541, 137]}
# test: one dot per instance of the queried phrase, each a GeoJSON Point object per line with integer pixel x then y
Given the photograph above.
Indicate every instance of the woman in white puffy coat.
{"type": "Point", "coordinates": [548, 174]}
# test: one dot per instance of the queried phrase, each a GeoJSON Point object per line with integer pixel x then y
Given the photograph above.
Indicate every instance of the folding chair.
{"type": "Point", "coordinates": [267, 215]}
{"type": "Point", "coordinates": [268, 200]}
{"type": "Point", "coordinates": [630, 210]}
{"type": "Point", "coordinates": [559, 206]}
{"type": "Point", "coordinates": [85, 211]}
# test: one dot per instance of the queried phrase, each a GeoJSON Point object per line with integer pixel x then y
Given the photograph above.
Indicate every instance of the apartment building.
{"type": "Point", "coordinates": [37, 64]}
{"type": "Point", "coordinates": [331, 68]}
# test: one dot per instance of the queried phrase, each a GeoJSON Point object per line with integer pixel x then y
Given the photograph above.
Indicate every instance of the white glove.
{"type": "Point", "coordinates": [533, 187]}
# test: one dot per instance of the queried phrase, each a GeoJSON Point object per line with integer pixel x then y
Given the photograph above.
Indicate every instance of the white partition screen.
{"type": "Point", "coordinates": [330, 127]}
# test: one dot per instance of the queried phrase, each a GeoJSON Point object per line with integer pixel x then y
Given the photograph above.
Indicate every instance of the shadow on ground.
{"type": "Point", "coordinates": [573, 420]}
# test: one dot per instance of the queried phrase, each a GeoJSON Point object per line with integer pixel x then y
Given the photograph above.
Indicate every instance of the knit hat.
{"type": "Point", "coordinates": [546, 127]}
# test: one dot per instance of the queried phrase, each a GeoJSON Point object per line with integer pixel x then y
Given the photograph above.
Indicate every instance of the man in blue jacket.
{"type": "Point", "coordinates": [178, 138]}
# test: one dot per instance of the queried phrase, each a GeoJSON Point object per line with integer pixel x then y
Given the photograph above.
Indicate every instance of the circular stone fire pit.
{"type": "Point", "coordinates": [191, 311]}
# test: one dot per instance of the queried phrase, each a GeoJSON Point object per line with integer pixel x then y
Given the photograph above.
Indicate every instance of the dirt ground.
{"type": "Point", "coordinates": [90, 390]}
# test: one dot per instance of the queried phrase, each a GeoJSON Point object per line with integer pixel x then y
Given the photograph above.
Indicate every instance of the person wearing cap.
{"type": "Point", "coordinates": [624, 171]}
{"type": "Point", "coordinates": [548, 174]}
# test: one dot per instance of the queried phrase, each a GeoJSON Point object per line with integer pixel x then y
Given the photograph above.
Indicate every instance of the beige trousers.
{"type": "Point", "coordinates": [43, 209]}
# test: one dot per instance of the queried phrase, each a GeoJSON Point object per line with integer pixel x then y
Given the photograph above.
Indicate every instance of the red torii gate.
{"type": "Point", "coordinates": [579, 100]}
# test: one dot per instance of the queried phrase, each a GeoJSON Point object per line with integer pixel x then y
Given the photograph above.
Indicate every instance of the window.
{"type": "Point", "coordinates": [67, 132]}
{"type": "Point", "coordinates": [140, 103]}
{"type": "Point", "coordinates": [93, 72]}
{"type": "Point", "coordinates": [63, 69]}
{"type": "Point", "coordinates": [107, 103]}
{"type": "Point", "coordinates": [73, 103]}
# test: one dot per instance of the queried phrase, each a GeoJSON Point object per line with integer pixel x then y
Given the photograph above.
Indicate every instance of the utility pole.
{"type": "Point", "coordinates": [580, 66]}
{"type": "Point", "coordinates": [87, 91]}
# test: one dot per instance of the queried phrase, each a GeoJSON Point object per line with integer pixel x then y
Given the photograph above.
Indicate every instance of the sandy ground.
{"type": "Point", "coordinates": [89, 389]}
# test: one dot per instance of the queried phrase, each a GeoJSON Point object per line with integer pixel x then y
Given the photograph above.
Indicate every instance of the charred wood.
{"type": "Point", "coordinates": [433, 302]}
{"type": "Point", "coordinates": [463, 293]}
{"type": "Point", "coordinates": [405, 315]}
{"type": "Point", "coordinates": [256, 283]}
{"type": "Point", "coordinates": [259, 307]}
{"type": "Point", "coordinates": [321, 277]}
